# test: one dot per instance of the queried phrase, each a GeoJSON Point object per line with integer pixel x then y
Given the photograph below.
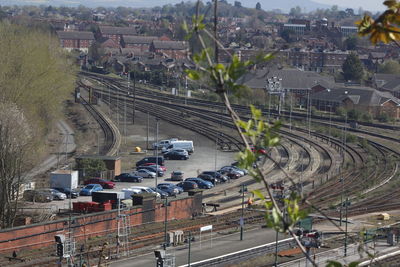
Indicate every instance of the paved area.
{"type": "Point", "coordinates": [220, 245]}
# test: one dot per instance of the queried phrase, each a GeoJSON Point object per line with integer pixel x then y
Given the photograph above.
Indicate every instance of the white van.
{"type": "Point", "coordinates": [181, 144]}
{"type": "Point", "coordinates": [164, 143]}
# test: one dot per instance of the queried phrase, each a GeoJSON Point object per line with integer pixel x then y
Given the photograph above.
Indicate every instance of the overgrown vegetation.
{"type": "Point", "coordinates": [35, 78]}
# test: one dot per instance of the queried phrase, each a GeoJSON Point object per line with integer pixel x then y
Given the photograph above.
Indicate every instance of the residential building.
{"type": "Point", "coordinates": [360, 98]}
{"type": "Point", "coordinates": [171, 49]}
{"type": "Point", "coordinates": [116, 33]}
{"type": "Point", "coordinates": [76, 40]}
{"type": "Point", "coordinates": [141, 42]}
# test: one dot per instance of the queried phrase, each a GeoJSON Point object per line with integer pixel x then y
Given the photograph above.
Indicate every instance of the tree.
{"type": "Point", "coordinates": [258, 6]}
{"type": "Point", "coordinates": [389, 67]}
{"type": "Point", "coordinates": [15, 143]}
{"type": "Point", "coordinates": [237, 4]}
{"type": "Point", "coordinates": [295, 11]}
{"type": "Point", "coordinates": [352, 68]}
{"type": "Point", "coordinates": [91, 167]}
{"type": "Point", "coordinates": [351, 43]}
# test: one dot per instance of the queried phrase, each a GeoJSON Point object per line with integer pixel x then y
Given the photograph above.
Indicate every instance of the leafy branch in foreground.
{"type": "Point", "coordinates": [256, 131]}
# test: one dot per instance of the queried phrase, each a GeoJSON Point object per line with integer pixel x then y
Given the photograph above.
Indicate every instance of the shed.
{"type": "Point", "coordinates": [113, 164]}
{"type": "Point", "coordinates": [383, 216]}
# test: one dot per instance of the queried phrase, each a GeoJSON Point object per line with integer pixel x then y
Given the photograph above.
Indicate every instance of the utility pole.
{"type": "Point", "coordinates": [243, 188]}
{"type": "Point", "coordinates": [345, 233]}
{"type": "Point", "coordinates": [147, 137]}
{"type": "Point", "coordinates": [134, 97]}
{"type": "Point", "coordinates": [276, 249]}
{"type": "Point", "coordinates": [165, 223]}
{"type": "Point", "coordinates": [157, 120]}
{"type": "Point", "coordinates": [190, 243]}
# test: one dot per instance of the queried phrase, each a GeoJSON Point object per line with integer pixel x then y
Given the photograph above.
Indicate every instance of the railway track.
{"type": "Point", "coordinates": [213, 112]}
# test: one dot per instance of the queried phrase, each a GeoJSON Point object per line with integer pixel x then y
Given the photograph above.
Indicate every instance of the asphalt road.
{"type": "Point", "coordinates": [220, 245]}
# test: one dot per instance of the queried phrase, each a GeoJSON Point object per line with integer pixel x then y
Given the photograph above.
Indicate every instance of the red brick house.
{"type": "Point", "coordinates": [76, 40]}
{"type": "Point", "coordinates": [141, 42]}
{"type": "Point", "coordinates": [116, 33]}
{"type": "Point", "coordinates": [171, 49]}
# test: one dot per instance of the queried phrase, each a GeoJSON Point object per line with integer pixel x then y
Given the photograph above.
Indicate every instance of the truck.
{"type": "Point", "coordinates": [64, 179]}
{"type": "Point", "coordinates": [163, 143]}
{"type": "Point", "coordinates": [180, 144]}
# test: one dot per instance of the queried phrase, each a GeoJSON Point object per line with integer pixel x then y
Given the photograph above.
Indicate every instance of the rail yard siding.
{"type": "Point", "coordinates": [90, 225]}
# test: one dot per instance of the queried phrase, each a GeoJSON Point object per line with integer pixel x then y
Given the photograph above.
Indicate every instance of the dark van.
{"type": "Point", "coordinates": [154, 160]}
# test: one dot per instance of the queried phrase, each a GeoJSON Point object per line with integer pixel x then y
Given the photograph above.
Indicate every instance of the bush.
{"type": "Point", "coordinates": [383, 117]}
{"type": "Point", "coordinates": [366, 117]}
{"type": "Point", "coordinates": [340, 111]}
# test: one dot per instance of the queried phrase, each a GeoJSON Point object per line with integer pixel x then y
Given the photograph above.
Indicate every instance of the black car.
{"type": "Point", "coordinates": [156, 160]}
{"type": "Point", "coordinates": [221, 178]}
{"type": "Point", "coordinates": [188, 185]}
{"type": "Point", "coordinates": [70, 193]}
{"type": "Point", "coordinates": [173, 154]}
{"type": "Point", "coordinates": [128, 177]}
{"type": "Point", "coordinates": [209, 178]}
{"type": "Point", "coordinates": [154, 169]}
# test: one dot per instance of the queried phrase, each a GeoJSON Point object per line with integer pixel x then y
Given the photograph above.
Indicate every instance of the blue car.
{"type": "Point", "coordinates": [201, 183]}
{"type": "Point", "coordinates": [90, 188]}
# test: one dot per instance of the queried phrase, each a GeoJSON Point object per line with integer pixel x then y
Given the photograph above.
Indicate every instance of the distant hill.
{"type": "Point", "coordinates": [284, 5]}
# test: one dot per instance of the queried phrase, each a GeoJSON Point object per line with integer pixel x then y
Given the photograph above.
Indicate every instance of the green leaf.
{"type": "Point", "coordinates": [334, 264]}
{"type": "Point", "coordinates": [354, 264]}
{"type": "Point", "coordinates": [259, 194]}
{"type": "Point", "coordinates": [193, 75]}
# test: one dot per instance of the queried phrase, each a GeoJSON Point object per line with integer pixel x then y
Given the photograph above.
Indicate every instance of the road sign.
{"type": "Point", "coordinates": [206, 228]}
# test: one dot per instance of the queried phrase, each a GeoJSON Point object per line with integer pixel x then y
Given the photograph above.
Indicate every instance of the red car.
{"type": "Point", "coordinates": [259, 150]}
{"type": "Point", "coordinates": [104, 183]}
{"type": "Point", "coordinates": [163, 168]}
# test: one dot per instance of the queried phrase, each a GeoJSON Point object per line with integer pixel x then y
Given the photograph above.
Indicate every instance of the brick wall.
{"type": "Point", "coordinates": [90, 225]}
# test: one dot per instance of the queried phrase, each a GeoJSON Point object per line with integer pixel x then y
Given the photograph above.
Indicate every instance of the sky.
{"type": "Point", "coordinates": [371, 5]}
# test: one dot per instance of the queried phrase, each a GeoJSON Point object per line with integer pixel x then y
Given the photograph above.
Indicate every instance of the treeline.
{"type": "Point", "coordinates": [35, 79]}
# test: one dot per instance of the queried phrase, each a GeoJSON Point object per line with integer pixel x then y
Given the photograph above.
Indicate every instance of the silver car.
{"type": "Point", "coordinates": [57, 194]}
{"type": "Point", "coordinates": [145, 173]}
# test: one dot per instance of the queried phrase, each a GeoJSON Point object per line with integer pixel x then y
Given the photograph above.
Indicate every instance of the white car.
{"type": "Point", "coordinates": [145, 173]}
{"type": "Point", "coordinates": [145, 189]}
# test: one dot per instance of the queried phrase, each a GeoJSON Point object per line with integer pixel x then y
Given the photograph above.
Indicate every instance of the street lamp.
{"type": "Point", "coordinates": [157, 122]}
{"type": "Point", "coordinates": [242, 190]}
{"type": "Point", "coordinates": [330, 118]}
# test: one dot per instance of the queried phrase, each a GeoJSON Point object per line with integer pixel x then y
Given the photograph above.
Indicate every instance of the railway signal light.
{"type": "Point", "coordinates": [60, 249]}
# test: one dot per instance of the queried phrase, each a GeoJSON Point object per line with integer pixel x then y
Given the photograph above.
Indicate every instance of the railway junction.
{"type": "Point", "coordinates": [356, 179]}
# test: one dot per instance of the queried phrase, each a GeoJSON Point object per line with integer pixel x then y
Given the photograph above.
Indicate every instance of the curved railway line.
{"type": "Point", "coordinates": [207, 118]}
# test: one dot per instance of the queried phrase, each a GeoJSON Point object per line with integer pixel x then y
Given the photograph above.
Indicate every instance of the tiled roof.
{"type": "Point", "coordinates": [75, 35]}
{"type": "Point", "coordinates": [139, 39]}
{"type": "Point", "coordinates": [117, 30]}
{"type": "Point", "coordinates": [170, 45]}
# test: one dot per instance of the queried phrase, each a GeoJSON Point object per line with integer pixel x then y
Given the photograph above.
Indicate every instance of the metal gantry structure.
{"type": "Point", "coordinates": [274, 87]}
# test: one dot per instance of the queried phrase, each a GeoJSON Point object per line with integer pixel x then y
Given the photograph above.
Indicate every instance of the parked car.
{"type": "Point", "coordinates": [163, 168]}
{"type": "Point", "coordinates": [153, 168]}
{"type": "Point", "coordinates": [90, 188]}
{"type": "Point", "coordinates": [221, 178]}
{"type": "Point", "coordinates": [56, 194]}
{"type": "Point", "coordinates": [129, 177]}
{"type": "Point", "coordinates": [170, 190]}
{"type": "Point", "coordinates": [177, 176]}
{"type": "Point", "coordinates": [162, 193]}
{"type": "Point", "coordinates": [146, 189]}
{"type": "Point", "coordinates": [180, 190]}
{"type": "Point", "coordinates": [176, 154]}
{"type": "Point", "coordinates": [230, 175]}
{"type": "Point", "coordinates": [232, 169]}
{"type": "Point", "coordinates": [104, 183]}
{"type": "Point", "coordinates": [163, 143]}
{"type": "Point", "coordinates": [37, 196]}
{"type": "Point", "coordinates": [210, 178]}
{"type": "Point", "coordinates": [201, 183]}
{"type": "Point", "coordinates": [188, 185]}
{"type": "Point", "coordinates": [259, 150]}
{"type": "Point", "coordinates": [68, 192]}
{"type": "Point", "coordinates": [155, 160]}
{"type": "Point", "coordinates": [145, 173]}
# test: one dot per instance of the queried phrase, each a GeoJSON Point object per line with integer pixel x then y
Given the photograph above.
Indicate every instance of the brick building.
{"type": "Point", "coordinates": [360, 98]}
{"type": "Point", "coordinates": [141, 42]}
{"type": "Point", "coordinates": [171, 49]}
{"type": "Point", "coordinates": [116, 33]}
{"type": "Point", "coordinates": [76, 40]}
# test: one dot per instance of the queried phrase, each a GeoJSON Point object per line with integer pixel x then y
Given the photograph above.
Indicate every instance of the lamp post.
{"type": "Point", "coordinates": [165, 223]}
{"type": "Point", "coordinates": [345, 233]}
{"type": "Point", "coordinates": [157, 121]}
{"type": "Point", "coordinates": [290, 115]}
{"type": "Point", "coordinates": [309, 113]}
{"type": "Point", "coordinates": [243, 189]}
{"type": "Point", "coordinates": [330, 118]}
